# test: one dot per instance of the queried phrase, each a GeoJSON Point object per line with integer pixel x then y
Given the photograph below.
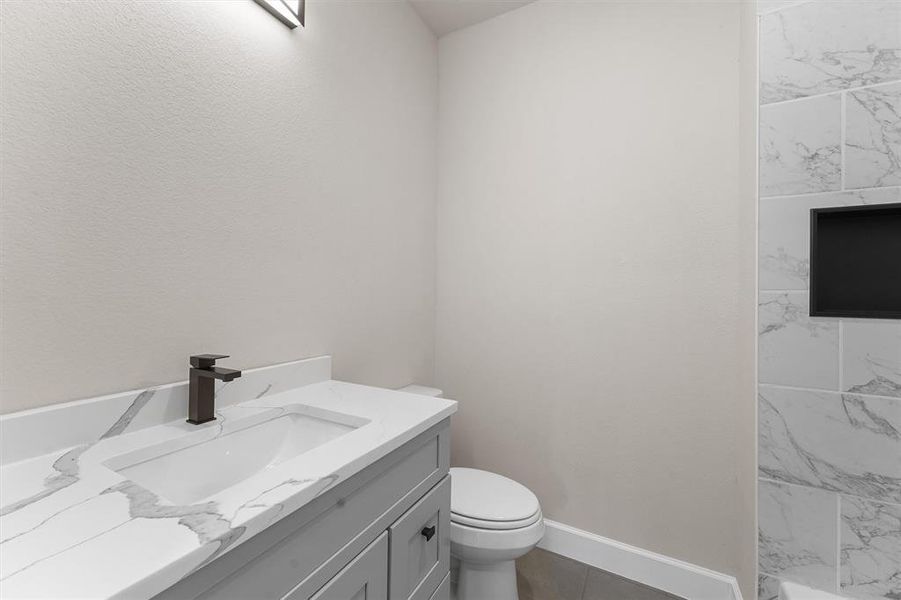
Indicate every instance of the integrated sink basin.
{"type": "Point", "coordinates": [223, 453]}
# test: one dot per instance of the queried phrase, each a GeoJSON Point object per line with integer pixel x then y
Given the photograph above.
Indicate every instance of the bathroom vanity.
{"type": "Point", "coordinates": [382, 534]}
{"type": "Point", "coordinates": [302, 488]}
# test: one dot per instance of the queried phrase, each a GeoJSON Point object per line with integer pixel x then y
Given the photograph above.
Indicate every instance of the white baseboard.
{"type": "Point", "coordinates": [654, 570]}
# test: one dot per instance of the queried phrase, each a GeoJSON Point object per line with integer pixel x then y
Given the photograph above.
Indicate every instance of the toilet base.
{"type": "Point", "coordinates": [487, 581]}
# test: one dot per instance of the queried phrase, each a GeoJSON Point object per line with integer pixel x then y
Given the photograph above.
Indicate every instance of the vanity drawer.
{"type": "Point", "coordinates": [420, 546]}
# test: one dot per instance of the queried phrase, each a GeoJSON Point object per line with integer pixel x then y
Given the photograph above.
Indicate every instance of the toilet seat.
{"type": "Point", "coordinates": [494, 525]}
{"type": "Point", "coordinates": [483, 500]}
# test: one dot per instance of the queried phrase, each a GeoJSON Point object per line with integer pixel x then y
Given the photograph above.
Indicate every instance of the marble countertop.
{"type": "Point", "coordinates": [72, 527]}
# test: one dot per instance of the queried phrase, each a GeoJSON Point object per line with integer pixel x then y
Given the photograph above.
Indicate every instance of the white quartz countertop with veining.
{"type": "Point", "coordinates": [71, 527]}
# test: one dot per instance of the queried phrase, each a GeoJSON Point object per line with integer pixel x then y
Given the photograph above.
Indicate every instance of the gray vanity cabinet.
{"type": "Point", "coordinates": [382, 534]}
{"type": "Point", "coordinates": [365, 578]}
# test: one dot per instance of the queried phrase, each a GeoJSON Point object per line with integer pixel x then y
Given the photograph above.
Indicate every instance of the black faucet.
{"type": "Point", "coordinates": [202, 386]}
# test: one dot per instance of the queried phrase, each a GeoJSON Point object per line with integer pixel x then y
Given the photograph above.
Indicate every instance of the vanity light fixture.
{"type": "Point", "coordinates": [289, 12]}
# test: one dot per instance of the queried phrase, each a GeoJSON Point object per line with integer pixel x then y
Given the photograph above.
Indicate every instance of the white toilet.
{"type": "Point", "coordinates": [494, 520]}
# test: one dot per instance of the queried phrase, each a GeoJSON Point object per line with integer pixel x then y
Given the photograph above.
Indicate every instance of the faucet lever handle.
{"type": "Point", "coordinates": [206, 361]}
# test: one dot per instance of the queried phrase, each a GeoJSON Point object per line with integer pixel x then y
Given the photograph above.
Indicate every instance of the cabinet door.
{"type": "Point", "coordinates": [443, 591]}
{"type": "Point", "coordinates": [420, 546]}
{"type": "Point", "coordinates": [365, 578]}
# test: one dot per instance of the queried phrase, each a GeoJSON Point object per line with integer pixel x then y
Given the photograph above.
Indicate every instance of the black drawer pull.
{"type": "Point", "coordinates": [428, 532]}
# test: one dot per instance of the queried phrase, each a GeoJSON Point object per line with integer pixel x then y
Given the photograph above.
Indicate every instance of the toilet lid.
{"type": "Point", "coordinates": [479, 496]}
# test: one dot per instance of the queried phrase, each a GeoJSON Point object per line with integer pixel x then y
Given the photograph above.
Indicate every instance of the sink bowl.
{"type": "Point", "coordinates": [200, 464]}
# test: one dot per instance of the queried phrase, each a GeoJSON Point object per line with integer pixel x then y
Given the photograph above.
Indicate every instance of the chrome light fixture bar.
{"type": "Point", "coordinates": [289, 12]}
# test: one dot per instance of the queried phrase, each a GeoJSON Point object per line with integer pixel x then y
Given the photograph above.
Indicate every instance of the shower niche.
{"type": "Point", "coordinates": [855, 261]}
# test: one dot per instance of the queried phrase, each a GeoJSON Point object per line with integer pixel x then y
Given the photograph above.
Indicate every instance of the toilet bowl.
{"type": "Point", "coordinates": [494, 520]}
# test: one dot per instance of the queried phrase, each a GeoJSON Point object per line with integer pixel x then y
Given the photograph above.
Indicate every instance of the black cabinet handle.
{"type": "Point", "coordinates": [428, 532]}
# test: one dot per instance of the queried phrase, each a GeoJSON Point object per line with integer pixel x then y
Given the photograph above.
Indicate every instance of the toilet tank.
{"type": "Point", "coordinates": [422, 390]}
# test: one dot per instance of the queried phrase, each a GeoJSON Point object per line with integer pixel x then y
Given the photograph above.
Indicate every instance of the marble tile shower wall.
{"type": "Point", "coordinates": [829, 389]}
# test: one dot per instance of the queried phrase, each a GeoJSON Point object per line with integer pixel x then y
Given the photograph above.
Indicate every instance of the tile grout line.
{"type": "Point", "coordinates": [841, 352]}
{"type": "Point", "coordinates": [829, 93]}
{"type": "Point", "coordinates": [821, 193]}
{"type": "Point", "coordinates": [798, 388]}
{"type": "Point", "coordinates": [838, 543]}
{"type": "Point", "coordinates": [804, 486]}
{"type": "Point", "coordinates": [841, 148]}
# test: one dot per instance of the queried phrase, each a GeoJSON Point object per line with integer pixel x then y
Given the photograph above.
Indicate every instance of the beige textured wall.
{"type": "Point", "coordinates": [596, 267]}
{"type": "Point", "coordinates": [183, 177]}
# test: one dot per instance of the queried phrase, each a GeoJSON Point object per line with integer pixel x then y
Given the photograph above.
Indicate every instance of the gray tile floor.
{"type": "Point", "coordinates": [542, 575]}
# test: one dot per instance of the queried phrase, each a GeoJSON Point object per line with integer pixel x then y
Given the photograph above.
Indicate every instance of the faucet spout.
{"type": "Point", "coordinates": [220, 373]}
{"type": "Point", "coordinates": [202, 386]}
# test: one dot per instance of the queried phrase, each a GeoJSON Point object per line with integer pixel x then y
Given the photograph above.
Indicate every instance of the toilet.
{"type": "Point", "coordinates": [493, 521]}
